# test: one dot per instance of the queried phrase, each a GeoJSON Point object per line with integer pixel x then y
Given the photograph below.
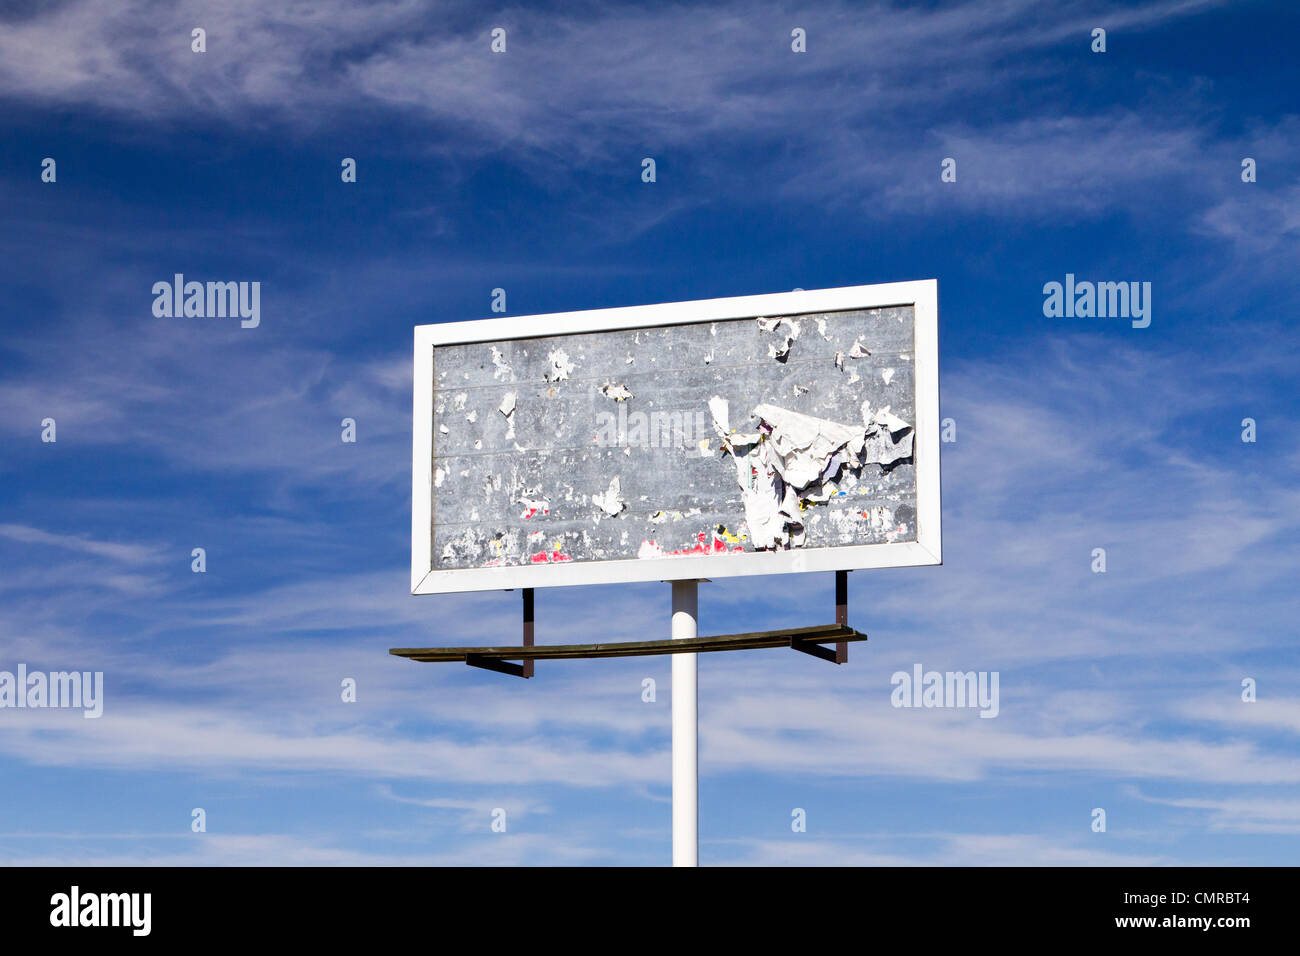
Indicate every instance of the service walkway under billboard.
{"type": "Point", "coordinates": [751, 435]}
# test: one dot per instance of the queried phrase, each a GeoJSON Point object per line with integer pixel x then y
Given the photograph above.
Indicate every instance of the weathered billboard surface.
{"type": "Point", "coordinates": [753, 435]}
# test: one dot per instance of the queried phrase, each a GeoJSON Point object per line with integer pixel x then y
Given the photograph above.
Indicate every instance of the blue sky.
{"type": "Point", "coordinates": [775, 170]}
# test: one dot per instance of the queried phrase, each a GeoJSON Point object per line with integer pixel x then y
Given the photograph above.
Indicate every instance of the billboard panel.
{"type": "Point", "coordinates": [751, 435]}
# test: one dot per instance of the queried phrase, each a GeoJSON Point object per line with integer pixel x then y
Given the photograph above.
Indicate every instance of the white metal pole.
{"type": "Point", "coordinates": [686, 785]}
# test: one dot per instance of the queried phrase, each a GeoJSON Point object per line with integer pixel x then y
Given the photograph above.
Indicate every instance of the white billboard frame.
{"type": "Point", "coordinates": [921, 295]}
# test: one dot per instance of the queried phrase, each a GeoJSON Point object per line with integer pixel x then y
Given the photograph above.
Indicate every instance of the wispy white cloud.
{"type": "Point", "coordinates": [927, 849]}
{"type": "Point", "coordinates": [1266, 712]}
{"type": "Point", "coordinates": [672, 67]}
{"type": "Point", "coordinates": [258, 849]}
{"type": "Point", "coordinates": [1241, 813]}
{"type": "Point", "coordinates": [590, 88]}
{"type": "Point", "coordinates": [124, 553]}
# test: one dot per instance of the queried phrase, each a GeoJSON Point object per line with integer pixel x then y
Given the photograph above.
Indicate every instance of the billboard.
{"type": "Point", "coordinates": [752, 435]}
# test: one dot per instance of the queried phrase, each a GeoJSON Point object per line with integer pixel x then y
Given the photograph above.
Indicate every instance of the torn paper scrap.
{"type": "Point", "coordinates": [534, 506]}
{"type": "Point", "coordinates": [619, 393]}
{"type": "Point", "coordinates": [787, 331]}
{"type": "Point", "coordinates": [502, 366]}
{"type": "Point", "coordinates": [719, 408]}
{"type": "Point", "coordinates": [611, 500]}
{"type": "Point", "coordinates": [804, 444]}
{"type": "Point", "coordinates": [883, 417]}
{"type": "Point", "coordinates": [560, 366]}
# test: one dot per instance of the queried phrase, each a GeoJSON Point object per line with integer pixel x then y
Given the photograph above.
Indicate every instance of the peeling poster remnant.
{"type": "Point", "coordinates": [786, 331]}
{"type": "Point", "coordinates": [619, 393]}
{"type": "Point", "coordinates": [793, 460]}
{"type": "Point", "coordinates": [610, 501]}
{"type": "Point", "coordinates": [711, 438]}
{"type": "Point", "coordinates": [560, 366]}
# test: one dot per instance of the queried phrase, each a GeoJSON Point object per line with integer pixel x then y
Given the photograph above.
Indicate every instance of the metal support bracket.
{"type": "Point", "coordinates": [492, 664]}
{"type": "Point", "coordinates": [841, 653]}
{"type": "Point", "coordinates": [806, 640]}
{"type": "Point", "coordinates": [842, 614]}
{"type": "Point", "coordinates": [816, 650]}
{"type": "Point", "coordinates": [528, 630]}
{"type": "Point", "coordinates": [524, 670]}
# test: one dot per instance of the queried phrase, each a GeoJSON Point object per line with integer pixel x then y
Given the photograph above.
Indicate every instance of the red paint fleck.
{"type": "Point", "coordinates": [550, 557]}
{"type": "Point", "coordinates": [706, 543]}
{"type": "Point", "coordinates": [716, 546]}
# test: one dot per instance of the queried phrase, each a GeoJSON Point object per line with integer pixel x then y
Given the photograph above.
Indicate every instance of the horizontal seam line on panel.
{"type": "Point", "coordinates": [658, 370]}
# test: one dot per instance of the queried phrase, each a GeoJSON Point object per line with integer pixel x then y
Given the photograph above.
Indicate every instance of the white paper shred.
{"type": "Point", "coordinates": [719, 408]}
{"type": "Point", "coordinates": [502, 366]}
{"type": "Point", "coordinates": [610, 501]}
{"type": "Point", "coordinates": [560, 366]}
{"type": "Point", "coordinates": [534, 507]}
{"type": "Point", "coordinates": [804, 444]}
{"type": "Point", "coordinates": [619, 393]}
{"type": "Point", "coordinates": [507, 408]}
{"type": "Point", "coordinates": [787, 331]}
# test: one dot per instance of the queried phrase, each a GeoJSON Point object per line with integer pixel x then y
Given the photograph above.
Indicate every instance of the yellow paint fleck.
{"type": "Point", "coordinates": [727, 535]}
